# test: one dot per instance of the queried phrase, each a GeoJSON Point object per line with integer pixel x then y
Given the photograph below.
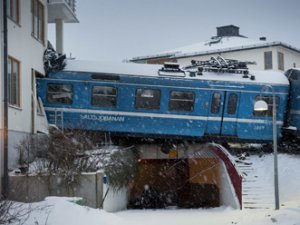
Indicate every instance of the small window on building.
{"type": "Point", "coordinates": [232, 103]}
{"type": "Point", "coordinates": [147, 99]}
{"type": "Point", "coordinates": [104, 96]}
{"type": "Point", "coordinates": [13, 81]}
{"type": "Point", "coordinates": [38, 20]}
{"type": "Point", "coordinates": [216, 103]}
{"type": "Point", "coordinates": [181, 101]}
{"type": "Point", "coordinates": [13, 10]}
{"type": "Point", "coordinates": [294, 65]}
{"type": "Point", "coordinates": [269, 101]}
{"type": "Point", "coordinates": [280, 57]}
{"type": "Point", "coordinates": [268, 60]}
{"type": "Point", "coordinates": [60, 94]}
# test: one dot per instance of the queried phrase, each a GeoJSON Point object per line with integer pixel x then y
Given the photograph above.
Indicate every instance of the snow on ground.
{"type": "Point", "coordinates": [62, 211]}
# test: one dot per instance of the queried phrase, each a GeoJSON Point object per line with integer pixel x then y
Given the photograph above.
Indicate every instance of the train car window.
{"type": "Point", "coordinates": [181, 101]}
{"type": "Point", "coordinates": [216, 103]}
{"type": "Point", "coordinates": [104, 96]}
{"type": "Point", "coordinates": [269, 101]}
{"type": "Point", "coordinates": [232, 103]}
{"type": "Point", "coordinates": [60, 94]}
{"type": "Point", "coordinates": [104, 76]}
{"type": "Point", "coordinates": [147, 99]}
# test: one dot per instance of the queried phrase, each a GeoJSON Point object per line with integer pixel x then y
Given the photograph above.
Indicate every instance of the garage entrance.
{"type": "Point", "coordinates": [192, 178]}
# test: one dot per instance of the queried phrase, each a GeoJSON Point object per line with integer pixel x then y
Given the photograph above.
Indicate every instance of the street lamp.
{"type": "Point", "coordinates": [262, 106]}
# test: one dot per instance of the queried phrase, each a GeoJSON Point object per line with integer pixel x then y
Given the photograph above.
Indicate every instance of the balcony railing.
{"type": "Point", "coordinates": [70, 3]}
{"type": "Point", "coordinates": [62, 9]}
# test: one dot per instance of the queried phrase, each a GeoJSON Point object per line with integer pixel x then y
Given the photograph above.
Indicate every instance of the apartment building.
{"type": "Point", "coordinates": [27, 22]}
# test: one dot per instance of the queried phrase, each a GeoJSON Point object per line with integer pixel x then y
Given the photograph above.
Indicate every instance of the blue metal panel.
{"type": "Point", "coordinates": [130, 124]}
{"type": "Point", "coordinates": [294, 104]}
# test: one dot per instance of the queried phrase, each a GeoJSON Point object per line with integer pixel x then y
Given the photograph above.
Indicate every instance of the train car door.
{"type": "Point", "coordinates": [214, 119]}
{"type": "Point", "coordinates": [230, 114]}
{"type": "Point", "coordinates": [222, 116]}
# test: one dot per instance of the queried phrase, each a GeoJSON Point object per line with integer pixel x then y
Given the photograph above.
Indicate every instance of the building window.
{"type": "Point", "coordinates": [13, 71]}
{"type": "Point", "coordinates": [232, 103]}
{"type": "Point", "coordinates": [13, 10]}
{"type": "Point", "coordinates": [60, 94]}
{"type": "Point", "coordinates": [280, 57]}
{"type": "Point", "coordinates": [269, 101]}
{"type": "Point", "coordinates": [294, 65]}
{"type": "Point", "coordinates": [147, 99]}
{"type": "Point", "coordinates": [216, 103]}
{"type": "Point", "coordinates": [181, 101]}
{"type": "Point", "coordinates": [268, 60]}
{"type": "Point", "coordinates": [38, 28]}
{"type": "Point", "coordinates": [104, 96]}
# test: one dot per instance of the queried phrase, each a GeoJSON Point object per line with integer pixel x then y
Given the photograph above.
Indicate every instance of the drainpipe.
{"type": "Point", "coordinates": [5, 125]}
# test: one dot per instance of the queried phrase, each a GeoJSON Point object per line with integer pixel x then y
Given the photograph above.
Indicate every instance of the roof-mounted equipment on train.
{"type": "Point", "coordinates": [171, 69]}
{"type": "Point", "coordinates": [221, 65]}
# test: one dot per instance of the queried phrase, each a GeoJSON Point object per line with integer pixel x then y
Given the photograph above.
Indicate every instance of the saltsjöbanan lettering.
{"type": "Point", "coordinates": [103, 118]}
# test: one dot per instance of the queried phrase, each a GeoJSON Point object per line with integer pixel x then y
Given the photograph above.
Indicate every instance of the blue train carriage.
{"type": "Point", "coordinates": [293, 115]}
{"type": "Point", "coordinates": [151, 101]}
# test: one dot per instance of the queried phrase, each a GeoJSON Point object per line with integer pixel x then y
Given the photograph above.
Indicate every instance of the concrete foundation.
{"type": "Point", "coordinates": [35, 188]}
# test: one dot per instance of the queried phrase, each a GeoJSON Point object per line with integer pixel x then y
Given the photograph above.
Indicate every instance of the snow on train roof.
{"type": "Point", "coordinates": [266, 77]}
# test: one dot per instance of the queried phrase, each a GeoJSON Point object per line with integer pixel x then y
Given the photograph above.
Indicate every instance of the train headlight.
{"type": "Point", "coordinates": [260, 106]}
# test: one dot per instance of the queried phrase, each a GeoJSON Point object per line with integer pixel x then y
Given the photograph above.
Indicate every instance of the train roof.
{"type": "Point", "coordinates": [270, 77]}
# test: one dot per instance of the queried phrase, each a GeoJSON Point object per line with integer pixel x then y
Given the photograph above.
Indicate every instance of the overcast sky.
{"type": "Point", "coordinates": [120, 29]}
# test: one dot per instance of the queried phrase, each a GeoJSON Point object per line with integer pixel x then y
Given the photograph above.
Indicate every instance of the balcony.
{"type": "Point", "coordinates": [62, 9]}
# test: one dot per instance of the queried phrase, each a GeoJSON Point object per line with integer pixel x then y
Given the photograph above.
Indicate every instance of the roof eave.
{"type": "Point", "coordinates": [157, 56]}
{"type": "Point", "coordinates": [241, 48]}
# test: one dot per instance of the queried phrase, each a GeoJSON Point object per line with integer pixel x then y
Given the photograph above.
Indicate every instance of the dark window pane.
{"type": "Point", "coordinates": [38, 20]}
{"type": "Point", "coordinates": [147, 99]}
{"type": "Point", "coordinates": [60, 94]}
{"type": "Point", "coordinates": [232, 103]}
{"type": "Point", "coordinates": [216, 102]}
{"type": "Point", "coordinates": [13, 10]}
{"type": "Point", "coordinates": [280, 57]}
{"type": "Point", "coordinates": [104, 96]}
{"type": "Point", "coordinates": [181, 101]}
{"type": "Point", "coordinates": [269, 101]}
{"type": "Point", "coordinates": [13, 80]}
{"type": "Point", "coordinates": [9, 80]}
{"type": "Point", "coordinates": [268, 60]}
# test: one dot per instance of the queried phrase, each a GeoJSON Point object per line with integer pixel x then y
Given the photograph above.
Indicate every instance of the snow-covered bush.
{"type": "Point", "coordinates": [11, 212]}
{"type": "Point", "coordinates": [121, 167]}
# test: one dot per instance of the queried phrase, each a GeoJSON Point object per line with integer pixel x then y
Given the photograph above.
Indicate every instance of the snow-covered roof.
{"type": "Point", "coordinates": [112, 67]}
{"type": "Point", "coordinates": [146, 70]}
{"type": "Point", "coordinates": [216, 45]}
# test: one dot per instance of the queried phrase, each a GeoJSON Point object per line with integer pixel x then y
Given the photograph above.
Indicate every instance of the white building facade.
{"type": "Point", "coordinates": [268, 55]}
{"type": "Point", "coordinates": [27, 22]}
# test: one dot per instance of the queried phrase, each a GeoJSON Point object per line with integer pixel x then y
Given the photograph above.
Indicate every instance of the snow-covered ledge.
{"type": "Point", "coordinates": [231, 179]}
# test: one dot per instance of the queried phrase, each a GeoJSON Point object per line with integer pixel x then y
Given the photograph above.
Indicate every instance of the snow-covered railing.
{"type": "Point", "coordinates": [70, 3]}
{"type": "Point", "coordinates": [234, 174]}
